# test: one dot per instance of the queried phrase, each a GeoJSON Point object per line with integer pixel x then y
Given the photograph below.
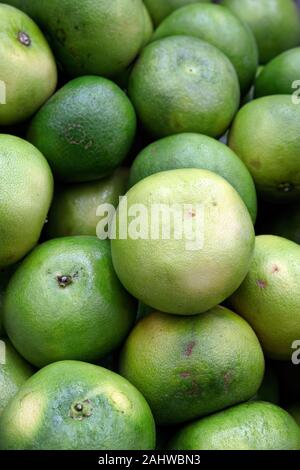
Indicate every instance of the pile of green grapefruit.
{"type": "Point", "coordinates": [149, 225]}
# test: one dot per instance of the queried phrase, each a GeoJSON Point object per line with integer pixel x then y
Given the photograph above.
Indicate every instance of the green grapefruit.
{"type": "Point", "coordinates": [85, 130]}
{"type": "Point", "coordinates": [187, 367]}
{"type": "Point", "coordinates": [73, 405]}
{"type": "Point", "coordinates": [280, 76]}
{"type": "Point", "coordinates": [93, 37]}
{"type": "Point", "coordinates": [28, 72]}
{"type": "Point", "coordinates": [249, 426]}
{"type": "Point", "coordinates": [65, 302]}
{"type": "Point", "coordinates": [192, 229]}
{"type": "Point", "coordinates": [216, 25]}
{"type": "Point", "coordinates": [265, 135]}
{"type": "Point", "coordinates": [26, 189]}
{"type": "Point", "coordinates": [182, 84]}
{"type": "Point", "coordinates": [274, 23]}
{"type": "Point", "coordinates": [269, 297]}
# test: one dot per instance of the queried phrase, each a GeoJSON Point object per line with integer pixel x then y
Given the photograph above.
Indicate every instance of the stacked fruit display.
{"type": "Point", "coordinates": [150, 225]}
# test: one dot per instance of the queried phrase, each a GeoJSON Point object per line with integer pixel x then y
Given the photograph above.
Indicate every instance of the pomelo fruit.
{"type": "Point", "coordinates": [85, 130]}
{"type": "Point", "coordinates": [274, 23]}
{"type": "Point", "coordinates": [74, 208]}
{"type": "Point", "coordinates": [187, 367]}
{"type": "Point", "coordinates": [26, 189]}
{"type": "Point", "coordinates": [65, 302]}
{"type": "Point", "coordinates": [182, 84]}
{"type": "Point", "coordinates": [28, 74]}
{"type": "Point", "coordinates": [14, 371]}
{"type": "Point", "coordinates": [265, 135]}
{"type": "Point", "coordinates": [249, 426]}
{"type": "Point", "coordinates": [218, 26]}
{"type": "Point", "coordinates": [73, 405]}
{"type": "Point", "coordinates": [269, 389]}
{"type": "Point", "coordinates": [195, 151]}
{"type": "Point", "coordinates": [177, 242]}
{"type": "Point", "coordinates": [269, 297]}
{"type": "Point", "coordinates": [285, 223]}
{"type": "Point", "coordinates": [93, 37]}
{"type": "Point", "coordinates": [160, 9]}
{"type": "Point", "coordinates": [280, 75]}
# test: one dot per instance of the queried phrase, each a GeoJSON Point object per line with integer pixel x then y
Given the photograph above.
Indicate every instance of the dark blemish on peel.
{"type": "Point", "coordinates": [185, 375]}
{"type": "Point", "coordinates": [261, 284]}
{"type": "Point", "coordinates": [275, 269]}
{"type": "Point", "coordinates": [189, 348]}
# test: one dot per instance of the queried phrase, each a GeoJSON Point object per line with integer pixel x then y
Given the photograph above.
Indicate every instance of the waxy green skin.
{"type": "Point", "coordinates": [274, 23]}
{"type": "Point", "coordinates": [196, 151]}
{"type": "Point", "coordinates": [192, 366]}
{"type": "Point", "coordinates": [249, 426]}
{"type": "Point", "coordinates": [182, 84]}
{"type": "Point", "coordinates": [26, 189]}
{"type": "Point", "coordinates": [85, 130]}
{"type": "Point", "coordinates": [27, 66]}
{"type": "Point", "coordinates": [216, 25]}
{"type": "Point", "coordinates": [74, 208]}
{"type": "Point", "coordinates": [265, 135]}
{"type": "Point", "coordinates": [13, 374]}
{"type": "Point", "coordinates": [85, 318]}
{"type": "Point", "coordinates": [269, 297]}
{"type": "Point", "coordinates": [94, 37]}
{"type": "Point", "coordinates": [279, 75]}
{"type": "Point", "coordinates": [45, 414]}
{"type": "Point", "coordinates": [171, 275]}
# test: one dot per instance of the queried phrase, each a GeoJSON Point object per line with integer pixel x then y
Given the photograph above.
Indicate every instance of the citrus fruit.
{"type": "Point", "coordinates": [183, 84]}
{"type": "Point", "coordinates": [74, 208]}
{"type": "Point", "coordinates": [160, 9]}
{"type": "Point", "coordinates": [269, 389]}
{"type": "Point", "coordinates": [85, 130]}
{"type": "Point", "coordinates": [216, 25]}
{"type": "Point", "coordinates": [28, 70]}
{"type": "Point", "coordinates": [187, 367]}
{"type": "Point", "coordinates": [195, 151]}
{"type": "Point", "coordinates": [249, 426]}
{"type": "Point", "coordinates": [179, 255]}
{"type": "Point", "coordinates": [269, 297]}
{"type": "Point", "coordinates": [294, 410]}
{"type": "Point", "coordinates": [94, 37]}
{"type": "Point", "coordinates": [14, 371]}
{"type": "Point", "coordinates": [65, 302]}
{"type": "Point", "coordinates": [73, 405]}
{"type": "Point", "coordinates": [286, 223]}
{"type": "Point", "coordinates": [274, 23]}
{"type": "Point", "coordinates": [279, 75]}
{"type": "Point", "coordinates": [26, 189]}
{"type": "Point", "coordinates": [265, 135]}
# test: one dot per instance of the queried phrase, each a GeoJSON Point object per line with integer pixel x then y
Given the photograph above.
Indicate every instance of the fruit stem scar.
{"type": "Point", "coordinates": [24, 38]}
{"type": "Point", "coordinates": [64, 281]}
